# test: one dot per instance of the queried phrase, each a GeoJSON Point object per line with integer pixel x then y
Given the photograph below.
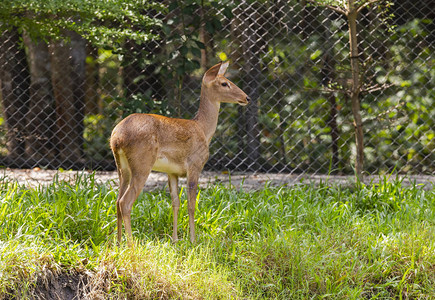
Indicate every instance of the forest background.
{"type": "Point", "coordinates": [71, 70]}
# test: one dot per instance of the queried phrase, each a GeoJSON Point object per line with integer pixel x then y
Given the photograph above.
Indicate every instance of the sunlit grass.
{"type": "Point", "coordinates": [369, 241]}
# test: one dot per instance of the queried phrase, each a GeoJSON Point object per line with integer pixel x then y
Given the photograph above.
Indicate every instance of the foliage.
{"type": "Point", "coordinates": [102, 22]}
{"type": "Point", "coordinates": [295, 101]}
{"type": "Point", "coordinates": [397, 116]}
{"type": "Point", "coordinates": [182, 31]}
{"type": "Point", "coordinates": [278, 242]}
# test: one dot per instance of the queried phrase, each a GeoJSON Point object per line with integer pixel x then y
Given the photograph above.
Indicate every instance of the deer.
{"type": "Point", "coordinates": [142, 143]}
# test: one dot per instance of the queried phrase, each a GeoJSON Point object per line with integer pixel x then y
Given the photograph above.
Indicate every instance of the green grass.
{"type": "Point", "coordinates": [303, 242]}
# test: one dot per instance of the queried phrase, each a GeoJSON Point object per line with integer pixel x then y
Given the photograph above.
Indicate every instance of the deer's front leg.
{"type": "Point", "coordinates": [192, 188]}
{"type": "Point", "coordinates": [173, 189]}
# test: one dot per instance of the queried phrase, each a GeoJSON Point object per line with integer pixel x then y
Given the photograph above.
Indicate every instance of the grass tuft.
{"type": "Point", "coordinates": [370, 241]}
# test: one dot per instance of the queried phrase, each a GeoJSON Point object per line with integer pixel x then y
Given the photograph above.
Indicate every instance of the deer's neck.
{"type": "Point", "coordinates": [207, 116]}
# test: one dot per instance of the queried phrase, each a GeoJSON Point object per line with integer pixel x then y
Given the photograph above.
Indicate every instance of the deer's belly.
{"type": "Point", "coordinates": [164, 165]}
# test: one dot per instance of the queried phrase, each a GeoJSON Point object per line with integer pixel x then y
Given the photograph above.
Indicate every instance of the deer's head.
{"type": "Point", "coordinates": [220, 89]}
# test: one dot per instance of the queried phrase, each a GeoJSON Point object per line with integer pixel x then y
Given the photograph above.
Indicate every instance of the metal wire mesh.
{"type": "Point", "coordinates": [60, 100]}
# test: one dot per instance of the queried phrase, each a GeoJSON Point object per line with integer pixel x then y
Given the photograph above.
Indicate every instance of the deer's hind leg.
{"type": "Point", "coordinates": [139, 170]}
{"type": "Point", "coordinates": [192, 188]}
{"type": "Point", "coordinates": [173, 188]}
{"type": "Point", "coordinates": [127, 200]}
{"type": "Point", "coordinates": [123, 184]}
{"type": "Point", "coordinates": [124, 176]}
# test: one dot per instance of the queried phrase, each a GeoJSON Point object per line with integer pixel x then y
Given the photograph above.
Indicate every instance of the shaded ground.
{"type": "Point", "coordinates": [63, 286]}
{"type": "Point", "coordinates": [66, 285]}
{"type": "Point", "coordinates": [250, 181]}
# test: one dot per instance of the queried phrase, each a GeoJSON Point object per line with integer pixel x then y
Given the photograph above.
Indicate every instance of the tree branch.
{"type": "Point", "coordinates": [365, 4]}
{"type": "Point", "coordinates": [334, 8]}
{"type": "Point", "coordinates": [375, 88]}
{"type": "Point", "coordinates": [384, 113]}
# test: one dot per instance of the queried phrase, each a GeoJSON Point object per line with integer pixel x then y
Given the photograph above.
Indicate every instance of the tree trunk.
{"type": "Point", "coordinates": [328, 76]}
{"type": "Point", "coordinates": [251, 48]}
{"type": "Point", "coordinates": [355, 92]}
{"type": "Point", "coordinates": [204, 38]}
{"type": "Point", "coordinates": [279, 97]}
{"type": "Point", "coordinates": [280, 105]}
{"type": "Point", "coordinates": [68, 78]}
{"type": "Point", "coordinates": [333, 113]}
{"type": "Point", "coordinates": [93, 102]}
{"type": "Point", "coordinates": [15, 85]}
{"type": "Point", "coordinates": [237, 56]}
{"type": "Point", "coordinates": [78, 59]}
{"type": "Point", "coordinates": [40, 117]}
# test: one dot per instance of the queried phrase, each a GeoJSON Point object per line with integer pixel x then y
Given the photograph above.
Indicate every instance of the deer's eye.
{"type": "Point", "coordinates": [224, 84]}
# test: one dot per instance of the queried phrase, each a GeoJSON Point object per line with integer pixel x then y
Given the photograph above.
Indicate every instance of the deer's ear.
{"type": "Point", "coordinates": [214, 71]}
{"type": "Point", "coordinates": [223, 68]}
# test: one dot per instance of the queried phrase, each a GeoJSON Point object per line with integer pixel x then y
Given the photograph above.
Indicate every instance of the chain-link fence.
{"type": "Point", "coordinates": [61, 99]}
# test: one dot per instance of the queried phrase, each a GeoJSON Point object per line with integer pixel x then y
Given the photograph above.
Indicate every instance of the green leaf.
{"type": "Point", "coordinates": [228, 12]}
{"type": "Point", "coordinates": [405, 83]}
{"type": "Point", "coordinates": [200, 44]}
{"type": "Point", "coordinates": [216, 23]}
{"type": "Point", "coordinates": [222, 56]}
{"type": "Point", "coordinates": [173, 5]}
{"type": "Point", "coordinates": [316, 54]}
{"type": "Point", "coordinates": [196, 51]}
{"type": "Point", "coordinates": [215, 4]}
{"type": "Point", "coordinates": [180, 70]}
{"type": "Point", "coordinates": [209, 27]}
{"type": "Point", "coordinates": [184, 50]}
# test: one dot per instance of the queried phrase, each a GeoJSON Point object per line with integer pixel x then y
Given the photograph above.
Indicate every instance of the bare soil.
{"type": "Point", "coordinates": [67, 285]}
{"type": "Point", "coordinates": [63, 286]}
{"type": "Point", "coordinates": [249, 181]}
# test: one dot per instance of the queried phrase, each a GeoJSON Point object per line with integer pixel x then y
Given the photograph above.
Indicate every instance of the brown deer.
{"type": "Point", "coordinates": [178, 147]}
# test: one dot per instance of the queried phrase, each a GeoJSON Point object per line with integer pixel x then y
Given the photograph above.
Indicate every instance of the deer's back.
{"type": "Point", "coordinates": [176, 142]}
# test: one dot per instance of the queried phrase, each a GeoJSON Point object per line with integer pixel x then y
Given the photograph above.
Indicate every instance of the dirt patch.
{"type": "Point", "coordinates": [66, 285]}
{"type": "Point", "coordinates": [249, 181]}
